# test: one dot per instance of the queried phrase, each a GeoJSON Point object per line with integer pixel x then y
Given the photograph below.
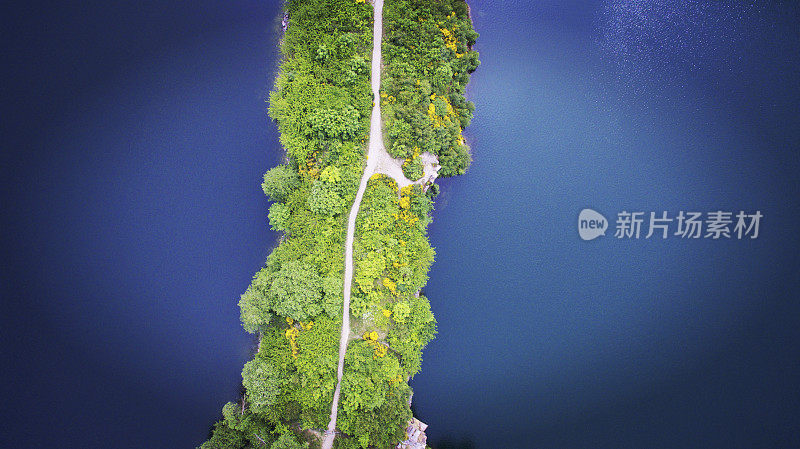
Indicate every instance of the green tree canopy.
{"type": "Point", "coordinates": [333, 287]}
{"type": "Point", "coordinates": [223, 437]}
{"type": "Point", "coordinates": [329, 123]}
{"type": "Point", "coordinates": [279, 215]}
{"type": "Point", "coordinates": [263, 383]}
{"type": "Point", "coordinates": [287, 440]}
{"type": "Point", "coordinates": [324, 199]}
{"type": "Point", "coordinates": [279, 182]}
{"type": "Point", "coordinates": [296, 291]}
{"type": "Point", "coordinates": [255, 310]}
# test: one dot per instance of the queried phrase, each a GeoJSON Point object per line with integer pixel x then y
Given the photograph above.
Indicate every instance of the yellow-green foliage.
{"type": "Point", "coordinates": [374, 404]}
{"type": "Point", "coordinates": [429, 56]}
{"type": "Point", "coordinates": [321, 104]}
{"type": "Point", "coordinates": [391, 251]}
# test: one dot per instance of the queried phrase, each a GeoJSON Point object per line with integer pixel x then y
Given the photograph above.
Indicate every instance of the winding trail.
{"type": "Point", "coordinates": [375, 154]}
{"type": "Point", "coordinates": [378, 161]}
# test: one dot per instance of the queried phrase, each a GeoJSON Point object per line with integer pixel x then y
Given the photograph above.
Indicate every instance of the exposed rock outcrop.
{"type": "Point", "coordinates": [415, 435]}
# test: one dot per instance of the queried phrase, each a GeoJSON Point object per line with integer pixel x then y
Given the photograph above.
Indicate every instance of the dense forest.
{"type": "Point", "coordinates": [321, 103]}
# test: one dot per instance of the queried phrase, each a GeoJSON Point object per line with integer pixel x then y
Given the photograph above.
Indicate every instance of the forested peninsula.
{"type": "Point", "coordinates": [322, 103]}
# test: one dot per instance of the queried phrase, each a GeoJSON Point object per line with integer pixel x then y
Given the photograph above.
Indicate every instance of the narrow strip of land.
{"type": "Point", "coordinates": [375, 148]}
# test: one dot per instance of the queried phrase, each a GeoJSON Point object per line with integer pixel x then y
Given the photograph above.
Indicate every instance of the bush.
{"type": "Point", "coordinates": [279, 215]}
{"type": "Point", "coordinates": [413, 168]}
{"type": "Point", "coordinates": [279, 182]}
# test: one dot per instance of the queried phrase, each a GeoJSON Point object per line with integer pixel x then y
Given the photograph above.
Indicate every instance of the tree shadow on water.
{"type": "Point", "coordinates": [452, 443]}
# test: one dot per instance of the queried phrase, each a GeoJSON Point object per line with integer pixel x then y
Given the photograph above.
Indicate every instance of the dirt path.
{"type": "Point", "coordinates": [378, 161]}
{"type": "Point", "coordinates": [374, 156]}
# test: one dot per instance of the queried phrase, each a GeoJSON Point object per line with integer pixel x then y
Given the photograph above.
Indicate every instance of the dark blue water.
{"type": "Point", "coordinates": [547, 341]}
{"type": "Point", "coordinates": [134, 138]}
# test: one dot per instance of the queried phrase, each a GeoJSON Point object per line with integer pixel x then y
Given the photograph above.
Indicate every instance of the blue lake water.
{"type": "Point", "coordinates": [134, 219]}
{"type": "Point", "coordinates": [546, 340]}
{"type": "Point", "coordinates": [135, 138]}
